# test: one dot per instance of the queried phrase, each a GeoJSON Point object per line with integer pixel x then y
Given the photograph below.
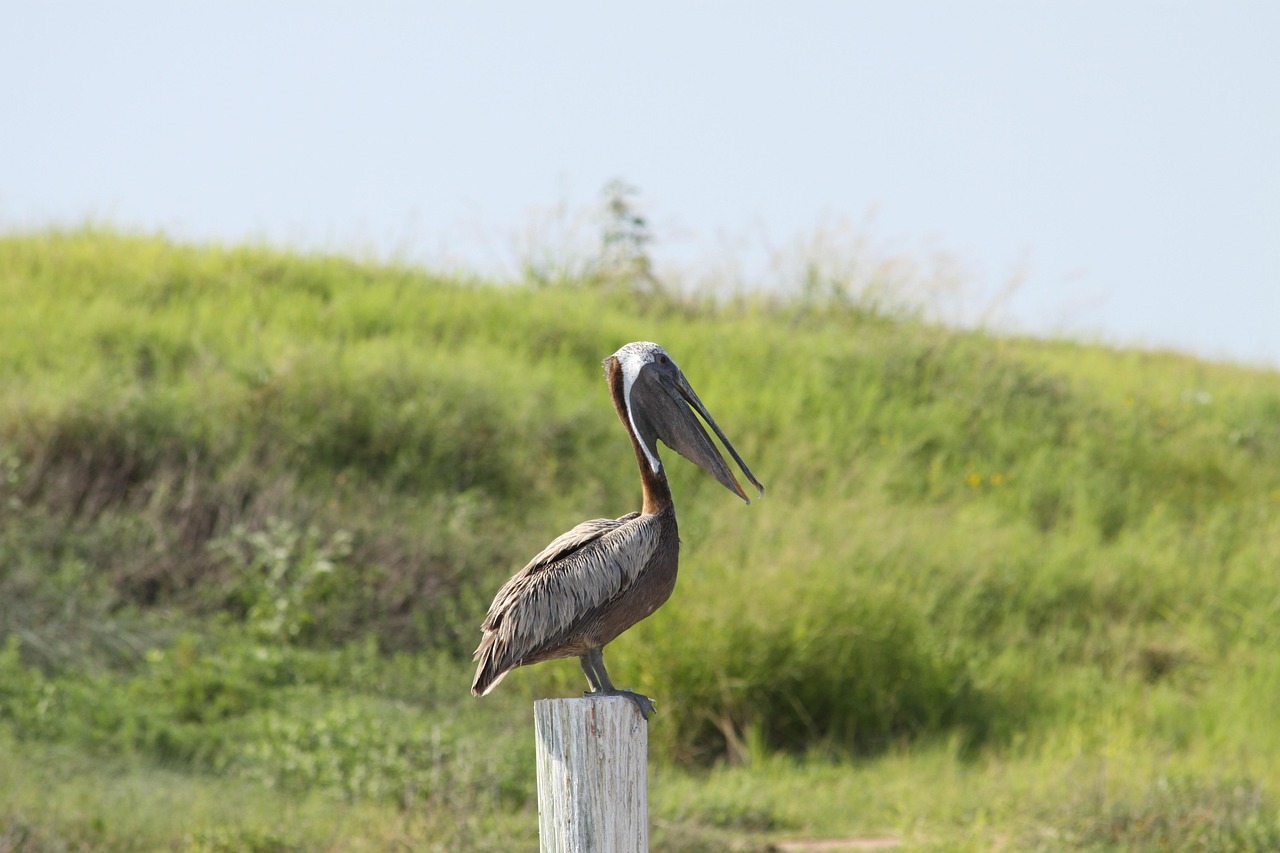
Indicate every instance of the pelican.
{"type": "Point", "coordinates": [605, 575]}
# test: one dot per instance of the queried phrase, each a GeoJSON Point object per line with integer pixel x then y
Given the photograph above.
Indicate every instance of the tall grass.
{"type": "Point", "coordinates": [247, 499]}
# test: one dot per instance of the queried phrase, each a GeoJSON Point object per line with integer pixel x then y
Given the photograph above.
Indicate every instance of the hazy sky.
{"type": "Point", "coordinates": [1123, 157]}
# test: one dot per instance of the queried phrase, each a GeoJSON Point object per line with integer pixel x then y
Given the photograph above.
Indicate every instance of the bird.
{"type": "Point", "coordinates": [606, 574]}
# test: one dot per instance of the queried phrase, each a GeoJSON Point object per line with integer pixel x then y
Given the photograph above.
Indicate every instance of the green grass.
{"type": "Point", "coordinates": [1001, 593]}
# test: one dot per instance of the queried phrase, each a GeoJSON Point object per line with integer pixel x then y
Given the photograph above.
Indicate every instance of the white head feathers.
{"type": "Point", "coordinates": [632, 358]}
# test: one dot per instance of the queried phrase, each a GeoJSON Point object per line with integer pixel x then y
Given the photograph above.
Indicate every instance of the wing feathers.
{"type": "Point", "coordinates": [553, 596]}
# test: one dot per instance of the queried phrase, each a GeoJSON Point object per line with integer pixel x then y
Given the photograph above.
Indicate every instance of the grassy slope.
{"type": "Point", "coordinates": [999, 591]}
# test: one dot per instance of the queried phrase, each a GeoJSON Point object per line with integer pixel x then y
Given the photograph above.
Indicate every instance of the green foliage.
{"type": "Point", "coordinates": [1186, 814]}
{"type": "Point", "coordinates": [854, 666]}
{"type": "Point", "coordinates": [353, 723]}
{"type": "Point", "coordinates": [222, 840]}
{"type": "Point", "coordinates": [280, 577]}
{"type": "Point", "coordinates": [253, 506]}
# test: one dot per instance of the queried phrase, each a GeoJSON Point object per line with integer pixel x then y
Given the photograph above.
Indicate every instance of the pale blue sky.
{"type": "Point", "coordinates": [1124, 156]}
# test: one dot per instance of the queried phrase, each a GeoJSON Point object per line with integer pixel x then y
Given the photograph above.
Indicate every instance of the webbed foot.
{"type": "Point", "coordinates": [642, 702]}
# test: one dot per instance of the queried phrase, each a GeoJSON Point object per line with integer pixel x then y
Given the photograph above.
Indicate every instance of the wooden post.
{"type": "Point", "coordinates": [593, 775]}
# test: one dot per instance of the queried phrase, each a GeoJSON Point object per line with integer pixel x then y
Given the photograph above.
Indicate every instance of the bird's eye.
{"type": "Point", "coordinates": [662, 359]}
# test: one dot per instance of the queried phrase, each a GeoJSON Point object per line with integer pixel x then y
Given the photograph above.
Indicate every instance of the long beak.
{"type": "Point", "coordinates": [670, 413]}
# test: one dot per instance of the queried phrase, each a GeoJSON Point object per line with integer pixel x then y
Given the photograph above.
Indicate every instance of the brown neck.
{"type": "Point", "coordinates": [657, 493]}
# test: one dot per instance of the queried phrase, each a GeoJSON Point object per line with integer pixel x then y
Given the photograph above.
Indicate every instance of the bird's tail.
{"type": "Point", "coordinates": [490, 671]}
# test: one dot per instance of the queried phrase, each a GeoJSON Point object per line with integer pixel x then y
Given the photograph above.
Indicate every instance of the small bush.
{"type": "Point", "coordinates": [853, 666]}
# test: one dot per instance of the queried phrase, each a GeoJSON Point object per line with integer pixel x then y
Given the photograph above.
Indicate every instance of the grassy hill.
{"type": "Point", "coordinates": [1000, 592]}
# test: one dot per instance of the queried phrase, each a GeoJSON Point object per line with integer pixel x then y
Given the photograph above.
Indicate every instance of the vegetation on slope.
{"type": "Point", "coordinates": [253, 506]}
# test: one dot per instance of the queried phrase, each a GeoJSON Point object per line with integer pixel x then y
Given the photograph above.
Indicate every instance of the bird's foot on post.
{"type": "Point", "coordinates": [642, 702]}
{"type": "Point", "coordinates": [593, 667]}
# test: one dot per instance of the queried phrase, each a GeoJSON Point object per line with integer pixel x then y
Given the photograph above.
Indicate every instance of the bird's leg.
{"type": "Point", "coordinates": [588, 669]}
{"type": "Point", "coordinates": [593, 667]}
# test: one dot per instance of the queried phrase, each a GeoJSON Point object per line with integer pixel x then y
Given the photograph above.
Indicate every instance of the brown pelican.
{"type": "Point", "coordinates": [605, 575]}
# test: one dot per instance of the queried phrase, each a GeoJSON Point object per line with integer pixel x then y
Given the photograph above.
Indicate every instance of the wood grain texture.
{"type": "Point", "coordinates": [593, 775]}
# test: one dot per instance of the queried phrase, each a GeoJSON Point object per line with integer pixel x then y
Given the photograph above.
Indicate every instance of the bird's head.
{"type": "Point", "coordinates": [659, 403]}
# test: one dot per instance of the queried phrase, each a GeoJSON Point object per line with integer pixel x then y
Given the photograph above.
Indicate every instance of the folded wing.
{"type": "Point", "coordinates": [555, 597]}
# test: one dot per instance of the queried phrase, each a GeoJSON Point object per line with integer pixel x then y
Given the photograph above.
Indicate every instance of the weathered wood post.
{"type": "Point", "coordinates": [593, 776]}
